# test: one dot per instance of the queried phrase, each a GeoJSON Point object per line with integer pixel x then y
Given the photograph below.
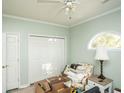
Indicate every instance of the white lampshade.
{"type": "Point", "coordinates": [101, 54]}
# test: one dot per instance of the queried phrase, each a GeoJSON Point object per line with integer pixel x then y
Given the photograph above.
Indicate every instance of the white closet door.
{"type": "Point", "coordinates": [46, 57]}
{"type": "Point", "coordinates": [12, 61]}
{"type": "Point", "coordinates": [3, 62]}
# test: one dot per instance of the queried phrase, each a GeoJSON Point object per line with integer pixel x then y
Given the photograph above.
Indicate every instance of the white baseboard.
{"type": "Point", "coordinates": [24, 86]}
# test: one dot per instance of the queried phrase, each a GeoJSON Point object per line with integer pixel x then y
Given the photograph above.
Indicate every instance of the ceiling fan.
{"type": "Point", "coordinates": [69, 5]}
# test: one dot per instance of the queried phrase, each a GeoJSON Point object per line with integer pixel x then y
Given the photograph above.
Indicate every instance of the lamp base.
{"type": "Point", "coordinates": [101, 77]}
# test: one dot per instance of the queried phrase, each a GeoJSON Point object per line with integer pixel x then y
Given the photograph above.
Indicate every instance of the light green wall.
{"type": "Point", "coordinates": [78, 38]}
{"type": "Point", "coordinates": [83, 33]}
{"type": "Point", "coordinates": [25, 28]}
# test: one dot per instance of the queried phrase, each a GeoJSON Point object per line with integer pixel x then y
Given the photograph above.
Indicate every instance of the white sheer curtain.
{"type": "Point", "coordinates": [46, 57]}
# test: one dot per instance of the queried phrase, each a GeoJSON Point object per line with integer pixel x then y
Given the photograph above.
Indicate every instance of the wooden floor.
{"type": "Point", "coordinates": [29, 89]}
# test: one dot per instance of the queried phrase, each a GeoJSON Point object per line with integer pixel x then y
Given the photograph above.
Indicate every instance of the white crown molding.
{"type": "Point", "coordinates": [95, 17]}
{"type": "Point", "coordinates": [33, 20]}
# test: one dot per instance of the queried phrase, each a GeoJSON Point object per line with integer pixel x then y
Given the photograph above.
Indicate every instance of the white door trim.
{"type": "Point", "coordinates": [18, 35]}
{"type": "Point", "coordinates": [52, 36]}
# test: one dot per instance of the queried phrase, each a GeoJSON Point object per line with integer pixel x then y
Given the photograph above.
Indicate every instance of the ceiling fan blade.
{"type": "Point", "coordinates": [104, 1]}
{"type": "Point", "coordinates": [76, 2]}
{"type": "Point", "coordinates": [50, 1]}
{"type": "Point", "coordinates": [59, 11]}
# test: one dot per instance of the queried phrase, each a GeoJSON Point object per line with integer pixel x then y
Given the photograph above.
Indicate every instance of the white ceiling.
{"type": "Point", "coordinates": [51, 12]}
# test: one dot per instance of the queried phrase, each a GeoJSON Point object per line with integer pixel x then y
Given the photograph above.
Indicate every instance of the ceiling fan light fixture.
{"type": "Point", "coordinates": [70, 8]}
{"type": "Point", "coordinates": [67, 9]}
{"type": "Point", "coordinates": [69, 4]}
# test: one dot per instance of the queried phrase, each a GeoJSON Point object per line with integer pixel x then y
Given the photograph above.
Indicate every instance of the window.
{"type": "Point", "coordinates": [109, 40]}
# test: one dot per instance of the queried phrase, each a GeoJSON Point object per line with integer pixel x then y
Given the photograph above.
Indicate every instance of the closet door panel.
{"type": "Point", "coordinates": [46, 57]}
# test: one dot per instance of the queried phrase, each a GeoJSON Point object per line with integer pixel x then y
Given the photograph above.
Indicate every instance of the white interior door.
{"type": "Point", "coordinates": [4, 63]}
{"type": "Point", "coordinates": [46, 57]}
{"type": "Point", "coordinates": [12, 61]}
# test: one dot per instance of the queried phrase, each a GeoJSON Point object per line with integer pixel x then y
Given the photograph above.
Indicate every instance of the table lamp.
{"type": "Point", "coordinates": [101, 55]}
